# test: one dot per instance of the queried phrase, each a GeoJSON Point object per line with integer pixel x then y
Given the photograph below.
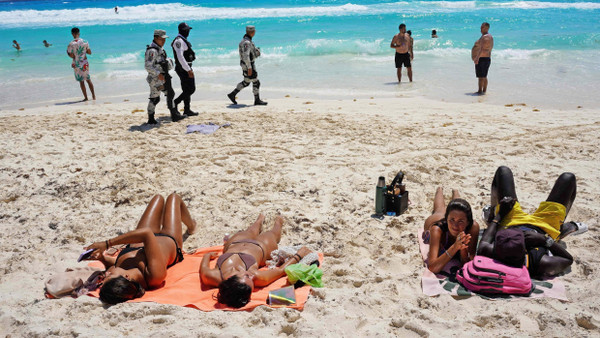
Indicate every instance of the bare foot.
{"type": "Point", "coordinates": [192, 228]}
{"type": "Point", "coordinates": [455, 194]}
{"type": "Point", "coordinates": [85, 99]}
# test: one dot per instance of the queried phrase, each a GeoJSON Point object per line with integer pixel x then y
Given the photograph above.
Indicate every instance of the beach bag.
{"type": "Point", "coordinates": [304, 274]}
{"type": "Point", "coordinates": [488, 276]}
{"type": "Point", "coordinates": [73, 282]}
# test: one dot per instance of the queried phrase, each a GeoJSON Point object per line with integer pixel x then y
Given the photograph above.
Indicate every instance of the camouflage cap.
{"type": "Point", "coordinates": [160, 33]}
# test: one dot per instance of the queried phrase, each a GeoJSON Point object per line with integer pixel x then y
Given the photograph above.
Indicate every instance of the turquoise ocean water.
{"type": "Point", "coordinates": [546, 52]}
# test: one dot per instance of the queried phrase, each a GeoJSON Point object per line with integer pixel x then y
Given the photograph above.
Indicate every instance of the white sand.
{"type": "Point", "coordinates": [69, 179]}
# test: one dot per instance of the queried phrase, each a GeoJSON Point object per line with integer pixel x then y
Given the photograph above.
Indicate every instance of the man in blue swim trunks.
{"type": "Point", "coordinates": [402, 43]}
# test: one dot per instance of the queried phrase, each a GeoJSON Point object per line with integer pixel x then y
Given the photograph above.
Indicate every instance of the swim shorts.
{"type": "Point", "coordinates": [402, 59]}
{"type": "Point", "coordinates": [481, 68]}
{"type": "Point", "coordinates": [534, 257]}
{"type": "Point", "coordinates": [548, 217]}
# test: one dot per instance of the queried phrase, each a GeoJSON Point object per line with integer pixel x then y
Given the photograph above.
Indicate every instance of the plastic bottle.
{"type": "Point", "coordinates": [379, 196]}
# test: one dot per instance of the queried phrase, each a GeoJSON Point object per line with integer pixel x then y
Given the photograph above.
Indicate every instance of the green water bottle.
{"type": "Point", "coordinates": [379, 196]}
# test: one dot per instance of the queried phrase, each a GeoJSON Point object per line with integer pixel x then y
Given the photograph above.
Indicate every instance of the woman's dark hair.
{"type": "Point", "coordinates": [234, 293]}
{"type": "Point", "coordinates": [460, 205]}
{"type": "Point", "coordinates": [119, 290]}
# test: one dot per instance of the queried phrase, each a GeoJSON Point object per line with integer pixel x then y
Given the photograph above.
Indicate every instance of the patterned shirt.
{"type": "Point", "coordinates": [78, 48]}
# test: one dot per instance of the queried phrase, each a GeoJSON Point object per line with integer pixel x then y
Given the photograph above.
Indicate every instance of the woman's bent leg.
{"type": "Point", "coordinates": [439, 209]}
{"type": "Point", "coordinates": [153, 214]}
{"type": "Point", "coordinates": [175, 213]}
{"type": "Point", "coordinates": [270, 239]}
{"type": "Point", "coordinates": [250, 233]}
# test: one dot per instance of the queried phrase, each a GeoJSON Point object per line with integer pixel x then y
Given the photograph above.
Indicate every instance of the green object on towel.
{"type": "Point", "coordinates": [310, 275]}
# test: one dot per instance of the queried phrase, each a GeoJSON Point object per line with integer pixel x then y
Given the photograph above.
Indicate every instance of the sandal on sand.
{"type": "Point", "coordinates": [572, 228]}
{"type": "Point", "coordinates": [487, 214]}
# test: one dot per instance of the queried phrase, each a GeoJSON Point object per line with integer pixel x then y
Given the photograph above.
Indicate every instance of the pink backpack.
{"type": "Point", "coordinates": [489, 276]}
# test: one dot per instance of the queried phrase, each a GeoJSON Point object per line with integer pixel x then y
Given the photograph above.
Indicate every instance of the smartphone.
{"type": "Point", "coordinates": [85, 255]}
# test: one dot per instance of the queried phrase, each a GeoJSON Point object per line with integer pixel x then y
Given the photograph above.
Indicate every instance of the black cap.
{"type": "Point", "coordinates": [184, 26]}
{"type": "Point", "coordinates": [509, 247]}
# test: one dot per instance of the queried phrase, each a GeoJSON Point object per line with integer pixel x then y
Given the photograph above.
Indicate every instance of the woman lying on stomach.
{"type": "Point", "coordinates": [451, 231]}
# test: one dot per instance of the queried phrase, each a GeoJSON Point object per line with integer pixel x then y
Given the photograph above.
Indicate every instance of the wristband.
{"type": "Point", "coordinates": [106, 242]}
{"type": "Point", "coordinates": [446, 252]}
{"type": "Point", "coordinates": [298, 257]}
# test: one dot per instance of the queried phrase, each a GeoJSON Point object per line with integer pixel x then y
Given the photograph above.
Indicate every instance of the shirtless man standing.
{"type": "Point", "coordinates": [481, 53]}
{"type": "Point", "coordinates": [402, 43]}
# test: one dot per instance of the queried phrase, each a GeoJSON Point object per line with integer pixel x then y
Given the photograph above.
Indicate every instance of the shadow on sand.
{"type": "Point", "coordinates": [237, 106]}
{"type": "Point", "coordinates": [70, 102]}
{"type": "Point", "coordinates": [145, 126]}
{"type": "Point", "coordinates": [475, 94]}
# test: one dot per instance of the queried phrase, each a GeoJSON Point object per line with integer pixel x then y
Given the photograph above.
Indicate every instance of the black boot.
{"type": "Point", "coordinates": [151, 119]}
{"type": "Point", "coordinates": [175, 116]}
{"type": "Point", "coordinates": [258, 101]}
{"type": "Point", "coordinates": [232, 95]}
{"type": "Point", "coordinates": [190, 112]}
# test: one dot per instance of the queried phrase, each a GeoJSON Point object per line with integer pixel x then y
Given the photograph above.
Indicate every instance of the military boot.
{"type": "Point", "coordinates": [151, 119]}
{"type": "Point", "coordinates": [258, 101]}
{"type": "Point", "coordinates": [175, 116]}
{"type": "Point", "coordinates": [232, 95]}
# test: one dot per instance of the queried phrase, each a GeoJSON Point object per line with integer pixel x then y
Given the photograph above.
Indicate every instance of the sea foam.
{"type": "Point", "coordinates": [177, 11]}
{"type": "Point", "coordinates": [125, 58]}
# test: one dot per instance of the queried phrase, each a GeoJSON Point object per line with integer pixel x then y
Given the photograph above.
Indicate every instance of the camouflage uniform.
{"type": "Point", "coordinates": [156, 63]}
{"type": "Point", "coordinates": [248, 53]}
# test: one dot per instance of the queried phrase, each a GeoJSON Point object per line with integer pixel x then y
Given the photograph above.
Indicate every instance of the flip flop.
{"type": "Point", "coordinates": [487, 214]}
{"type": "Point", "coordinates": [572, 228]}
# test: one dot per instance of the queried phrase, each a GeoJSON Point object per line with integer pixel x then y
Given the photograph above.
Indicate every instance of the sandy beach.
{"type": "Point", "coordinates": [74, 174]}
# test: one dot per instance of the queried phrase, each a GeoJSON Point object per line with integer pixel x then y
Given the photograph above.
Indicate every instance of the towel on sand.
{"type": "Point", "coordinates": [182, 287]}
{"type": "Point", "coordinates": [205, 128]}
{"type": "Point", "coordinates": [445, 282]}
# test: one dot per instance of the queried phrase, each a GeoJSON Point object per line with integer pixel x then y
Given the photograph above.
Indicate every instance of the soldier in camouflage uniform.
{"type": "Point", "coordinates": [248, 53]}
{"type": "Point", "coordinates": [157, 64]}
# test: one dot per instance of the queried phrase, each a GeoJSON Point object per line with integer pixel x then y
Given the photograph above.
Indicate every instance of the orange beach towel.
{"type": "Point", "coordinates": [182, 287]}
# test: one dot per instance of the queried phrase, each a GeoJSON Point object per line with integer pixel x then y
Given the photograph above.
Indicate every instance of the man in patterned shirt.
{"type": "Point", "coordinates": [77, 50]}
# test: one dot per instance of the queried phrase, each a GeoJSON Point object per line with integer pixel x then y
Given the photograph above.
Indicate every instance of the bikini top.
{"type": "Point", "coordinates": [444, 226]}
{"type": "Point", "coordinates": [246, 258]}
{"type": "Point", "coordinates": [126, 250]}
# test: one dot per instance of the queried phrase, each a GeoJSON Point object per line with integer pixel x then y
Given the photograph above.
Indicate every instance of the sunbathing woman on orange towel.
{"type": "Point", "coordinates": [236, 272]}
{"type": "Point", "coordinates": [153, 247]}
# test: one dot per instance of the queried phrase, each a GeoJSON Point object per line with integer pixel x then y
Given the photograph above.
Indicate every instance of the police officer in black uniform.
{"type": "Point", "coordinates": [184, 56]}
